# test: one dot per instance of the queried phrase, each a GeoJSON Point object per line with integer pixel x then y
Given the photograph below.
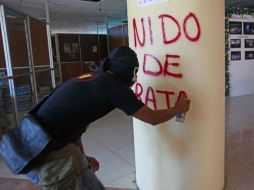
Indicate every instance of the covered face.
{"type": "Point", "coordinates": [123, 62]}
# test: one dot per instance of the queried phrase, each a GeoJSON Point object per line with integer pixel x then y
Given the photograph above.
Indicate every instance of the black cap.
{"type": "Point", "coordinates": [121, 61]}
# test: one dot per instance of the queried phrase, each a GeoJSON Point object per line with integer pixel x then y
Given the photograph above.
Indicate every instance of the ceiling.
{"type": "Point", "coordinates": [76, 16]}
{"type": "Point", "coordinates": [240, 3]}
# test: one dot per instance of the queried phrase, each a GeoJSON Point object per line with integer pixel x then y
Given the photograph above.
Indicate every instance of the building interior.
{"type": "Point", "coordinates": [50, 42]}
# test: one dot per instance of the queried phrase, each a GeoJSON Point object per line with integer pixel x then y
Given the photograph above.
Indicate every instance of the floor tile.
{"type": "Point", "coordinates": [127, 181]}
{"type": "Point", "coordinates": [17, 184]}
{"type": "Point", "coordinates": [248, 184]}
{"type": "Point", "coordinates": [235, 175]}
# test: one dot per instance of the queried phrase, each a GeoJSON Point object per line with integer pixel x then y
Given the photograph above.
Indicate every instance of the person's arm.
{"type": "Point", "coordinates": [155, 117]}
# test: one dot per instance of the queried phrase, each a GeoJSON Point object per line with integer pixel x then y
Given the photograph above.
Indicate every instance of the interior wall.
{"type": "Point", "coordinates": [53, 42]}
{"type": "Point", "coordinates": [181, 49]}
{"type": "Point", "coordinates": [241, 71]}
{"type": "Point", "coordinates": [93, 47]}
{"type": "Point", "coordinates": [4, 89]}
{"type": "Point", "coordinates": [90, 48]}
{"type": "Point", "coordinates": [40, 51]}
{"type": "Point", "coordinates": [125, 35]}
{"type": "Point", "coordinates": [22, 46]}
{"type": "Point", "coordinates": [103, 47]}
{"type": "Point", "coordinates": [118, 36]}
{"type": "Point", "coordinates": [39, 42]}
{"type": "Point", "coordinates": [18, 43]}
{"type": "Point", "coordinates": [18, 46]}
{"type": "Point", "coordinates": [2, 60]}
{"type": "Point", "coordinates": [71, 70]}
{"type": "Point", "coordinates": [68, 52]}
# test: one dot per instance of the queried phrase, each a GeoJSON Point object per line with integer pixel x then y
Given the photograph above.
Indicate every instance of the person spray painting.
{"type": "Point", "coordinates": [60, 161]}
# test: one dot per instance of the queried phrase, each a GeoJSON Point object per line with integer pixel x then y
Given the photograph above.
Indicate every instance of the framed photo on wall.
{"type": "Point", "coordinates": [67, 48]}
{"type": "Point", "coordinates": [249, 55]}
{"type": "Point", "coordinates": [235, 27]}
{"type": "Point", "coordinates": [75, 48]}
{"type": "Point", "coordinates": [235, 43]}
{"type": "Point", "coordinates": [235, 55]}
{"type": "Point", "coordinates": [249, 43]}
{"type": "Point", "coordinates": [248, 28]}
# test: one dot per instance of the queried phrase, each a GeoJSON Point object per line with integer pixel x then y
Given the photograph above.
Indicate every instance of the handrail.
{"type": "Point", "coordinates": [26, 74]}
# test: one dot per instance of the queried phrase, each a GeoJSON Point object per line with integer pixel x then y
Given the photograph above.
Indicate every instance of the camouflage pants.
{"type": "Point", "coordinates": [65, 169]}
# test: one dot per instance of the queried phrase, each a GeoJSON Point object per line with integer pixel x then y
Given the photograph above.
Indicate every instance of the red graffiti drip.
{"type": "Point", "coordinates": [150, 30]}
{"type": "Point", "coordinates": [136, 36]}
{"type": "Point", "coordinates": [163, 28]}
{"type": "Point", "coordinates": [193, 39]}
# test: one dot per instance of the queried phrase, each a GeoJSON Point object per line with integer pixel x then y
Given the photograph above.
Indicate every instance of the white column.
{"type": "Point", "coordinates": [52, 71]}
{"type": "Point", "coordinates": [180, 46]}
{"type": "Point", "coordinates": [8, 62]}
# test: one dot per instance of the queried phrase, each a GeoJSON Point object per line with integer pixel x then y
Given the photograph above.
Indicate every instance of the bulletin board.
{"type": "Point", "coordinates": [241, 54]}
{"type": "Point", "coordinates": [69, 47]}
{"type": "Point", "coordinates": [241, 39]}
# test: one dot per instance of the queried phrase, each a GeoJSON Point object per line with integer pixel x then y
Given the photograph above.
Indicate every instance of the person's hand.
{"type": "Point", "coordinates": [182, 105]}
{"type": "Point", "coordinates": [93, 163]}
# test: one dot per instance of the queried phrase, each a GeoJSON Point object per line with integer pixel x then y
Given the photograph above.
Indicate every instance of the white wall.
{"type": "Point", "coordinates": [241, 72]}
{"type": "Point", "coordinates": [174, 155]}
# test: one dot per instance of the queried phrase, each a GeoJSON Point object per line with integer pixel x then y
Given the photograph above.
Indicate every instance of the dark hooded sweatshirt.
{"type": "Point", "coordinates": [84, 99]}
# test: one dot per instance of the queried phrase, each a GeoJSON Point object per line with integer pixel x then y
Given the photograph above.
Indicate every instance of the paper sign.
{"type": "Point", "coordinates": [150, 2]}
{"type": "Point", "coordinates": [94, 49]}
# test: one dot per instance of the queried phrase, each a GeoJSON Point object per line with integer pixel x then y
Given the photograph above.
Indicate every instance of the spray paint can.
{"type": "Point", "coordinates": [181, 117]}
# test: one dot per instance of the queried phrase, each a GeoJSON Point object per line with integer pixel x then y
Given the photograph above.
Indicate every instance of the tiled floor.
{"type": "Point", "coordinates": [240, 143]}
{"type": "Point", "coordinates": [110, 140]}
{"type": "Point", "coordinates": [22, 184]}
